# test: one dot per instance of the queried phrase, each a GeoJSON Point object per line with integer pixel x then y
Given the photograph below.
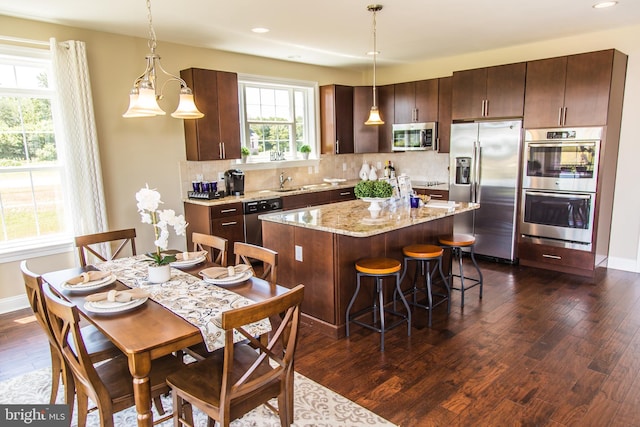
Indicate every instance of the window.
{"type": "Point", "coordinates": [32, 202]}
{"type": "Point", "coordinates": [278, 117]}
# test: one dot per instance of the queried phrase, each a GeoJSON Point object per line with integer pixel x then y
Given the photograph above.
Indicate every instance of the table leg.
{"type": "Point", "coordinates": [140, 366]}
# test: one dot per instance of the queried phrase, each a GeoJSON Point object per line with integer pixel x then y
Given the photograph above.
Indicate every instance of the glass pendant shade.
{"type": "Point", "coordinates": [187, 108]}
{"type": "Point", "coordinates": [374, 117]}
{"type": "Point", "coordinates": [143, 104]}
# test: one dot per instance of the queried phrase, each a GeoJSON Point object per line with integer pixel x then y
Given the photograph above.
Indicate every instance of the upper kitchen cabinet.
{"type": "Point", "coordinates": [416, 102]}
{"type": "Point", "coordinates": [493, 92]}
{"type": "Point", "coordinates": [365, 136]}
{"type": "Point", "coordinates": [444, 113]}
{"type": "Point", "coordinates": [386, 105]}
{"type": "Point", "coordinates": [336, 119]}
{"type": "Point", "coordinates": [573, 90]}
{"type": "Point", "coordinates": [217, 135]}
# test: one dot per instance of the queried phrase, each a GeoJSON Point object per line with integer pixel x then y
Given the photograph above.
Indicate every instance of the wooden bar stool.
{"type": "Point", "coordinates": [424, 255]}
{"type": "Point", "coordinates": [456, 242]}
{"type": "Point", "coordinates": [378, 268]}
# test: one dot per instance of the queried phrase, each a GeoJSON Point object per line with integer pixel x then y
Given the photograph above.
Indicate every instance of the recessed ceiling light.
{"type": "Point", "coordinates": [260, 30]}
{"type": "Point", "coordinates": [604, 4]}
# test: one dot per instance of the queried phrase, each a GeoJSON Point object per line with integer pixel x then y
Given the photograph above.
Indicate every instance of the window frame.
{"type": "Point", "coordinates": [311, 117]}
{"type": "Point", "coordinates": [49, 244]}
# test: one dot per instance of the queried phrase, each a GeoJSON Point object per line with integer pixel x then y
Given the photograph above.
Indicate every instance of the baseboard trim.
{"type": "Point", "coordinates": [624, 264]}
{"type": "Point", "coordinates": [10, 304]}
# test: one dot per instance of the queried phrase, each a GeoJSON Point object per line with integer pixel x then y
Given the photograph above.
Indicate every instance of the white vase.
{"type": "Point", "coordinates": [364, 172]}
{"type": "Point", "coordinates": [159, 273]}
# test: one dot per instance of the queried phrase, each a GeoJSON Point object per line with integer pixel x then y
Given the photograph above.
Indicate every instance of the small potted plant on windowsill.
{"type": "Point", "coordinates": [244, 153]}
{"type": "Point", "coordinates": [305, 150]}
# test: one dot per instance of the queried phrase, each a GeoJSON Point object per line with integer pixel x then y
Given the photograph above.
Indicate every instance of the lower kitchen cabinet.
{"type": "Point", "coordinates": [434, 194]}
{"type": "Point", "coordinates": [225, 220]}
{"type": "Point", "coordinates": [556, 258]}
{"type": "Point", "coordinates": [342, 195]}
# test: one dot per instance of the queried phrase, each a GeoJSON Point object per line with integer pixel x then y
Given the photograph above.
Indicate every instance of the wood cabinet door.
{"type": "Point", "coordinates": [404, 102]}
{"type": "Point", "coordinates": [216, 96]}
{"type": "Point", "coordinates": [426, 101]}
{"type": "Point", "coordinates": [544, 93]}
{"type": "Point", "coordinates": [365, 136]}
{"type": "Point", "coordinates": [336, 119]}
{"type": "Point", "coordinates": [444, 114]}
{"type": "Point", "coordinates": [230, 228]}
{"type": "Point", "coordinates": [505, 90]}
{"type": "Point", "coordinates": [468, 93]}
{"type": "Point", "coordinates": [587, 88]}
{"type": "Point", "coordinates": [386, 105]}
{"type": "Point", "coordinates": [304, 200]}
{"type": "Point", "coordinates": [229, 113]}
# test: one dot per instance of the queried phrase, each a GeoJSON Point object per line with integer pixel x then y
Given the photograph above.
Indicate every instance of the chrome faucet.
{"type": "Point", "coordinates": [283, 180]}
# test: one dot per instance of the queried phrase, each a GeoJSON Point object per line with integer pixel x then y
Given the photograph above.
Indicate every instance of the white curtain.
{"type": "Point", "coordinates": [79, 150]}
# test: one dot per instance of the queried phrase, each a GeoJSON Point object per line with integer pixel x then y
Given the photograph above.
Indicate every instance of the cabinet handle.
{"type": "Point", "coordinates": [348, 193]}
{"type": "Point", "coordinates": [228, 210]}
{"type": "Point", "coordinates": [224, 224]}
{"type": "Point", "coordinates": [551, 256]}
{"type": "Point", "coordinates": [220, 150]}
{"type": "Point", "coordinates": [415, 115]}
{"type": "Point", "coordinates": [435, 196]}
{"type": "Point", "coordinates": [337, 146]}
{"type": "Point", "coordinates": [224, 151]}
{"type": "Point", "coordinates": [560, 116]}
{"type": "Point", "coordinates": [486, 108]}
{"type": "Point", "coordinates": [564, 117]}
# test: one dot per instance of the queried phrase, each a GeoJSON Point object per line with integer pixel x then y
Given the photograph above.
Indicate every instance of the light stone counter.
{"type": "Point", "coordinates": [352, 218]}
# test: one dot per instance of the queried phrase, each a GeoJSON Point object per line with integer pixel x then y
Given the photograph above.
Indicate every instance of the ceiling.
{"type": "Point", "coordinates": [337, 33]}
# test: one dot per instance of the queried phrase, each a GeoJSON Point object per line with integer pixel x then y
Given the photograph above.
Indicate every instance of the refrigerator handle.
{"type": "Point", "coordinates": [474, 172]}
{"type": "Point", "coordinates": [478, 177]}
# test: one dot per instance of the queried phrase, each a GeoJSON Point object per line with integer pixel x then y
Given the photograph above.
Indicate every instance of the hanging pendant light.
{"type": "Point", "coordinates": [144, 96]}
{"type": "Point", "coordinates": [374, 114]}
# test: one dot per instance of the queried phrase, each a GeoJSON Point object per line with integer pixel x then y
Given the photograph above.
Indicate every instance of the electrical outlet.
{"type": "Point", "coordinates": [298, 253]}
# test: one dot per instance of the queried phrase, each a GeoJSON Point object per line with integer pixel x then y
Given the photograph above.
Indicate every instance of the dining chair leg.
{"type": "Point", "coordinates": [56, 370]}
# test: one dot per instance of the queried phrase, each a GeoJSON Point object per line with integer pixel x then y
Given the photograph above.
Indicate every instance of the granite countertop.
{"type": "Point", "coordinates": [352, 218]}
{"type": "Point", "coordinates": [271, 194]}
{"type": "Point", "coordinates": [293, 190]}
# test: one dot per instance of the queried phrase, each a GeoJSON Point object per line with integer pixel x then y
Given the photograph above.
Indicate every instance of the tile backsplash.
{"type": "Point", "coordinates": [419, 165]}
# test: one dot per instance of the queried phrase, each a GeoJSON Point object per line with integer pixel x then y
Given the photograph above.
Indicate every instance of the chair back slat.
{"type": "Point", "coordinates": [246, 253]}
{"type": "Point", "coordinates": [214, 245]}
{"type": "Point", "coordinates": [88, 244]}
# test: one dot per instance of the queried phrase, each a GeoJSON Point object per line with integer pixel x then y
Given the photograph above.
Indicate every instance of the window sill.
{"type": "Point", "coordinates": [277, 164]}
{"type": "Point", "coordinates": [35, 249]}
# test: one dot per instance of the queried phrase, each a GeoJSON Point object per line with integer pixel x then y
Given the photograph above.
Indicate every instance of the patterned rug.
{"type": "Point", "coordinates": [315, 405]}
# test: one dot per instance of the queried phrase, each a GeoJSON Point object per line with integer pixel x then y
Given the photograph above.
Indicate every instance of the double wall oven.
{"type": "Point", "coordinates": [560, 174]}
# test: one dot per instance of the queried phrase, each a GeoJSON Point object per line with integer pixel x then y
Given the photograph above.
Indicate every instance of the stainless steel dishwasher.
{"type": "Point", "coordinates": [252, 225]}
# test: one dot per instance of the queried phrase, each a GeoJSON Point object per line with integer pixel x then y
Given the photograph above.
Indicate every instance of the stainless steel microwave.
{"type": "Point", "coordinates": [415, 136]}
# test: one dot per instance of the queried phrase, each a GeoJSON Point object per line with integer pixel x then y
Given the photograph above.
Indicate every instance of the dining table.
{"type": "Point", "coordinates": [152, 330]}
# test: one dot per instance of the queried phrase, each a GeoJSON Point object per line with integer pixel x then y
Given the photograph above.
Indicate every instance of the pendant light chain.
{"type": "Point", "coordinates": [375, 54]}
{"type": "Point", "coordinates": [374, 113]}
{"type": "Point", "coordinates": [152, 33]}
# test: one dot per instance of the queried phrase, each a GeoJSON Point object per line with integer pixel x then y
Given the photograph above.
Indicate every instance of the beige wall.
{"type": "Point", "coordinates": [138, 151]}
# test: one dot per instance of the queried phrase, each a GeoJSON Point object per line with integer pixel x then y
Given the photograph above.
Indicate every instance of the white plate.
{"type": "Point", "coordinates": [189, 262]}
{"type": "Point", "coordinates": [90, 286]}
{"type": "Point", "coordinates": [334, 181]}
{"type": "Point", "coordinates": [105, 306]}
{"type": "Point", "coordinates": [231, 280]}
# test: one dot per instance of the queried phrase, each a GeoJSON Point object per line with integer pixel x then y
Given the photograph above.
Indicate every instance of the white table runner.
{"type": "Point", "coordinates": [191, 298]}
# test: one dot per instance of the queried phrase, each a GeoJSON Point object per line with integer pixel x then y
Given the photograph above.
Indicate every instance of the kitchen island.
{"type": "Point", "coordinates": [318, 247]}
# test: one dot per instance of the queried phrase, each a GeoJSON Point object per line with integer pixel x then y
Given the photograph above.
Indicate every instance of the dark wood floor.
{"type": "Point", "coordinates": [540, 349]}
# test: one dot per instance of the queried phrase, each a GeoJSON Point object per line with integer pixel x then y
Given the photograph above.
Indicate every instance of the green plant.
{"type": "Point", "coordinates": [244, 151]}
{"type": "Point", "coordinates": [380, 189]}
{"type": "Point", "coordinates": [305, 149]}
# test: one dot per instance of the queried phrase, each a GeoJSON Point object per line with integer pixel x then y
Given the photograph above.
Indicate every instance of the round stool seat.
{"type": "Point", "coordinates": [378, 266]}
{"type": "Point", "coordinates": [461, 240]}
{"type": "Point", "coordinates": [423, 251]}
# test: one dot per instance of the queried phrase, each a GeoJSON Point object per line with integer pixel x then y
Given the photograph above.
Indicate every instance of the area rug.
{"type": "Point", "coordinates": [314, 405]}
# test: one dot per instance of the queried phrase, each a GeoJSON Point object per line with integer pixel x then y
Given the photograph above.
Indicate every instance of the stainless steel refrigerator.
{"type": "Point", "coordinates": [484, 168]}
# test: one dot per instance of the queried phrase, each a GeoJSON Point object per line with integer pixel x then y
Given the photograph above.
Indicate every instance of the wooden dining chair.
{"type": "Point", "coordinates": [88, 242]}
{"type": "Point", "coordinates": [108, 384]}
{"type": "Point", "coordinates": [245, 375]}
{"type": "Point", "coordinates": [213, 245]}
{"type": "Point", "coordinates": [98, 346]}
{"type": "Point", "coordinates": [247, 253]}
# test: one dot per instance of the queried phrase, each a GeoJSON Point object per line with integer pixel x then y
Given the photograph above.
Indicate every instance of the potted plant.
{"type": "Point", "coordinates": [305, 150]}
{"type": "Point", "coordinates": [244, 153]}
{"type": "Point", "coordinates": [148, 202]}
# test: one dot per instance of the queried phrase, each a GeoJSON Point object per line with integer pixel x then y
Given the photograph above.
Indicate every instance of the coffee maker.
{"type": "Point", "coordinates": [234, 182]}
